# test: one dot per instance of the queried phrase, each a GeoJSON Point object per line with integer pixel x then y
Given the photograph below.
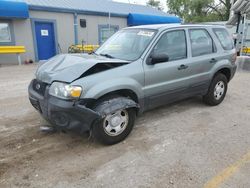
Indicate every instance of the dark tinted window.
{"type": "Point", "coordinates": [173, 44]}
{"type": "Point", "coordinates": [201, 42]}
{"type": "Point", "coordinates": [224, 38]}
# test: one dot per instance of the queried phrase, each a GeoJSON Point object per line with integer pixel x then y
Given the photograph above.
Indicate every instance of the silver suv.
{"type": "Point", "coordinates": [137, 69]}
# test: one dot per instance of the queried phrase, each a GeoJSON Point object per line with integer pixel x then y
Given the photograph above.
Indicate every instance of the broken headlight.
{"type": "Point", "coordinates": [65, 91]}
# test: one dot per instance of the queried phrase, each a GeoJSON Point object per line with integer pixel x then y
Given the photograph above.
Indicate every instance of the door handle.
{"type": "Point", "coordinates": [213, 60]}
{"type": "Point", "coordinates": [182, 67]}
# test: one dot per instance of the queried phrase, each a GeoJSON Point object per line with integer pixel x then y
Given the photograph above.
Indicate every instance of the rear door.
{"type": "Point", "coordinates": [204, 57]}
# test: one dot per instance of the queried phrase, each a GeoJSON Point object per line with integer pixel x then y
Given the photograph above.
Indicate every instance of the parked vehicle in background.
{"type": "Point", "coordinates": [137, 69]}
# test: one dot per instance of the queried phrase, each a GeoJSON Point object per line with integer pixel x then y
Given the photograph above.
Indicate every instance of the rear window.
{"type": "Point", "coordinates": [224, 38]}
{"type": "Point", "coordinates": [201, 42]}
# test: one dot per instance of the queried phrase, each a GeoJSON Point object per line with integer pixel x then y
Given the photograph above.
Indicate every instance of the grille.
{"type": "Point", "coordinates": [39, 87]}
{"type": "Point", "coordinates": [35, 104]}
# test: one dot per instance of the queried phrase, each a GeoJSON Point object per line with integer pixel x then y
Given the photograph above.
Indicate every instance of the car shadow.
{"type": "Point", "coordinates": [85, 138]}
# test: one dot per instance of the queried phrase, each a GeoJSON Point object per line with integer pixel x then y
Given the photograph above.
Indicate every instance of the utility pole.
{"type": "Point", "coordinates": [109, 22]}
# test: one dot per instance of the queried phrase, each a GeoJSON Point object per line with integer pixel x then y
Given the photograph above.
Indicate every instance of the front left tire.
{"type": "Point", "coordinates": [114, 127]}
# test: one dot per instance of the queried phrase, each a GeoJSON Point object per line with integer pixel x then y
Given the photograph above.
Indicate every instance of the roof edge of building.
{"type": "Point", "coordinates": [66, 10]}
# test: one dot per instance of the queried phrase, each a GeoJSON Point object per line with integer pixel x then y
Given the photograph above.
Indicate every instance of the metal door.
{"type": "Point", "coordinates": [45, 39]}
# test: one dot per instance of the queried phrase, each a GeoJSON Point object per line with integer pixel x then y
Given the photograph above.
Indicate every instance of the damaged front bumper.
{"type": "Point", "coordinates": [64, 114]}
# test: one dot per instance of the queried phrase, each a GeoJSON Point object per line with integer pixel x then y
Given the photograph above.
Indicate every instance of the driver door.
{"type": "Point", "coordinates": [166, 81]}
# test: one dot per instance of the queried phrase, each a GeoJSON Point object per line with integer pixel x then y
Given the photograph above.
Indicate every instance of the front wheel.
{"type": "Point", "coordinates": [217, 90]}
{"type": "Point", "coordinates": [114, 127]}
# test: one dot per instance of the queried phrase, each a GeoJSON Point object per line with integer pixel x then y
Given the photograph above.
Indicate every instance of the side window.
{"type": "Point", "coordinates": [224, 38]}
{"type": "Point", "coordinates": [201, 42]}
{"type": "Point", "coordinates": [173, 44]}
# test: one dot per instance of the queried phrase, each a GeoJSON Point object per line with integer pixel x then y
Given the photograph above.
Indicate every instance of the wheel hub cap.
{"type": "Point", "coordinates": [115, 123]}
{"type": "Point", "coordinates": [219, 90]}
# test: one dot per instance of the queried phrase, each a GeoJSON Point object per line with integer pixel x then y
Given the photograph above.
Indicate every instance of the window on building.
{"type": "Point", "coordinates": [5, 35]}
{"type": "Point", "coordinates": [106, 31]}
{"type": "Point", "coordinates": [201, 42]}
{"type": "Point", "coordinates": [224, 38]}
{"type": "Point", "coordinates": [173, 44]}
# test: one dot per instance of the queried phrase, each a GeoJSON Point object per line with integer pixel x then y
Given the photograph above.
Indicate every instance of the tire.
{"type": "Point", "coordinates": [103, 132]}
{"type": "Point", "coordinates": [217, 90]}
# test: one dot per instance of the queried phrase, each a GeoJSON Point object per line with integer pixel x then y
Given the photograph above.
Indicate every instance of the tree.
{"type": "Point", "coordinates": [155, 4]}
{"type": "Point", "coordinates": [200, 10]}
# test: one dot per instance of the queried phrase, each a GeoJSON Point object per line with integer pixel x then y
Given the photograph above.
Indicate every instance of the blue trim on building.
{"type": "Point", "coordinates": [105, 26]}
{"type": "Point", "coordinates": [14, 9]}
{"type": "Point", "coordinates": [65, 10]}
{"type": "Point", "coordinates": [76, 28]}
{"type": "Point", "coordinates": [12, 35]}
{"type": "Point", "coordinates": [144, 19]}
{"type": "Point", "coordinates": [33, 21]}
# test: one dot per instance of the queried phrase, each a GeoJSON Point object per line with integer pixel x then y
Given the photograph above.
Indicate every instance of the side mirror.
{"type": "Point", "coordinates": [156, 58]}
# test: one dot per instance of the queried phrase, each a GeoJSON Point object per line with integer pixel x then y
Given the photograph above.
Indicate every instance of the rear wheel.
{"type": "Point", "coordinates": [114, 127]}
{"type": "Point", "coordinates": [217, 90]}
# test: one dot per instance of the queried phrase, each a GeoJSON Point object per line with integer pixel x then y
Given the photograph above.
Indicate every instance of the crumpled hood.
{"type": "Point", "coordinates": [69, 67]}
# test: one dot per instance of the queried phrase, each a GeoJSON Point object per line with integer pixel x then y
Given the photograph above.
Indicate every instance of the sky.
{"type": "Point", "coordinates": [143, 2]}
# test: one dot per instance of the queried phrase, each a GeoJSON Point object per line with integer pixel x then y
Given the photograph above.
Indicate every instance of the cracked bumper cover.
{"type": "Point", "coordinates": [64, 114]}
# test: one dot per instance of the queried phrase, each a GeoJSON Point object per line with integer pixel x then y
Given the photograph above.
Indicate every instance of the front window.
{"type": "Point", "coordinates": [5, 35]}
{"type": "Point", "coordinates": [173, 44]}
{"type": "Point", "coordinates": [127, 44]}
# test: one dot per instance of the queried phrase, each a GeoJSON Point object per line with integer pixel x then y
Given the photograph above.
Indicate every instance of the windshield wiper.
{"type": "Point", "coordinates": [91, 53]}
{"type": "Point", "coordinates": [107, 55]}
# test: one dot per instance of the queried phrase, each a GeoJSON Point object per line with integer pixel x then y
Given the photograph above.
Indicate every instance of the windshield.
{"type": "Point", "coordinates": [128, 44]}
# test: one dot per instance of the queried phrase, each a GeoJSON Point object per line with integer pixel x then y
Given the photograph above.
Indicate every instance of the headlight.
{"type": "Point", "coordinates": [65, 91]}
